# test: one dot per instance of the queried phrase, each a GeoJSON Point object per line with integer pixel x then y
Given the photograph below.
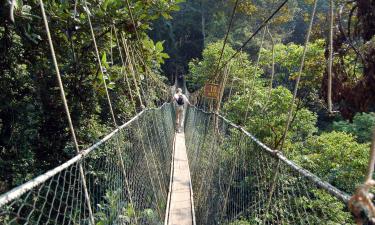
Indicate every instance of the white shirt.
{"type": "Point", "coordinates": [176, 96]}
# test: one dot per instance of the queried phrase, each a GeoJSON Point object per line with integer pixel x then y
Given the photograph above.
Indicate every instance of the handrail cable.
{"type": "Point", "coordinates": [131, 62]}
{"type": "Point", "coordinates": [20, 190]}
{"type": "Point", "coordinates": [344, 197]}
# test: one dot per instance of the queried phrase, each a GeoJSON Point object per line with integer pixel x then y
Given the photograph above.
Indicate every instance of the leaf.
{"type": "Point", "coordinates": [166, 15]}
{"type": "Point", "coordinates": [159, 46]}
{"type": "Point", "coordinates": [175, 8]}
{"type": "Point", "coordinates": [104, 60]}
{"type": "Point", "coordinates": [164, 55]}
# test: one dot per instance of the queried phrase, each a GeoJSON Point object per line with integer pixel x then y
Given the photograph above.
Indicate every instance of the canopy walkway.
{"type": "Point", "coordinates": [215, 172]}
{"type": "Point", "coordinates": [135, 175]}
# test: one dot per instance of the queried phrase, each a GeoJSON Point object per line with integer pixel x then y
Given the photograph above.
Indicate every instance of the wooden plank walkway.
{"type": "Point", "coordinates": [181, 203]}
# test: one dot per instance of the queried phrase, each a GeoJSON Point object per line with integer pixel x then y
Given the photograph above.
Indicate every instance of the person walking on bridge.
{"type": "Point", "coordinates": [180, 101]}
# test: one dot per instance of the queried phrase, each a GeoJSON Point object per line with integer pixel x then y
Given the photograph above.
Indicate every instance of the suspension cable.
{"type": "Point", "coordinates": [226, 37]}
{"type": "Point", "coordinates": [131, 52]}
{"type": "Point", "coordinates": [330, 57]}
{"type": "Point", "coordinates": [67, 112]}
{"type": "Point", "coordinates": [100, 63]}
{"type": "Point", "coordinates": [263, 24]}
{"type": "Point", "coordinates": [132, 71]}
{"type": "Point", "coordinates": [128, 59]}
{"type": "Point", "coordinates": [123, 69]}
{"type": "Point", "coordinates": [132, 19]}
{"type": "Point", "coordinates": [290, 113]}
{"type": "Point", "coordinates": [273, 59]}
{"type": "Point", "coordinates": [254, 75]}
{"type": "Point", "coordinates": [112, 113]}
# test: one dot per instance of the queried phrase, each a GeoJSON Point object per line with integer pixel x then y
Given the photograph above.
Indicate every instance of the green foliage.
{"type": "Point", "coordinates": [34, 135]}
{"type": "Point", "coordinates": [202, 71]}
{"type": "Point", "coordinates": [325, 204]}
{"type": "Point", "coordinates": [155, 50]}
{"type": "Point", "coordinates": [336, 157]}
{"type": "Point", "coordinates": [288, 58]}
{"type": "Point", "coordinates": [242, 222]}
{"type": "Point", "coordinates": [114, 211]}
{"type": "Point", "coordinates": [267, 115]}
{"type": "Point", "coordinates": [361, 127]}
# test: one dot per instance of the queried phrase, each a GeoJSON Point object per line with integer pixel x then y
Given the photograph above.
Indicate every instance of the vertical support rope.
{"type": "Point", "coordinates": [253, 78]}
{"type": "Point", "coordinates": [99, 61]}
{"type": "Point", "coordinates": [138, 126]}
{"type": "Point", "coordinates": [62, 92]}
{"type": "Point", "coordinates": [132, 19]}
{"type": "Point", "coordinates": [111, 109]}
{"type": "Point", "coordinates": [162, 85]}
{"type": "Point", "coordinates": [361, 203]}
{"type": "Point", "coordinates": [270, 87]}
{"type": "Point", "coordinates": [111, 46]}
{"type": "Point", "coordinates": [147, 72]}
{"type": "Point", "coordinates": [226, 37]}
{"type": "Point", "coordinates": [290, 113]}
{"type": "Point", "coordinates": [123, 69]}
{"type": "Point", "coordinates": [131, 51]}
{"type": "Point", "coordinates": [330, 57]}
{"type": "Point", "coordinates": [370, 169]}
{"type": "Point", "coordinates": [132, 71]}
{"type": "Point", "coordinates": [273, 59]}
{"type": "Point", "coordinates": [292, 103]}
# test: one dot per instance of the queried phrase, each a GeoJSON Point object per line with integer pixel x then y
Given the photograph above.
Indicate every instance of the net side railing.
{"type": "Point", "coordinates": [126, 174]}
{"type": "Point", "coordinates": [238, 180]}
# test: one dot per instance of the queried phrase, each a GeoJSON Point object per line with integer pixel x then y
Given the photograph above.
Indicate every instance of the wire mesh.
{"type": "Point", "coordinates": [236, 181]}
{"type": "Point", "coordinates": [132, 192]}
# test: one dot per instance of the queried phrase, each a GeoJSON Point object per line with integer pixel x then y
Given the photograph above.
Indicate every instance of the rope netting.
{"type": "Point", "coordinates": [132, 192]}
{"type": "Point", "coordinates": [238, 180]}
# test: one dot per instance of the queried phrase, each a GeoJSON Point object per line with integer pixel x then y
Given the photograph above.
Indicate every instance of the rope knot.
{"type": "Point", "coordinates": [361, 205]}
{"type": "Point", "coordinates": [276, 152]}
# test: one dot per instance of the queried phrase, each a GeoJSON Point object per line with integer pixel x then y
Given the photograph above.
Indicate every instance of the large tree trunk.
{"type": "Point", "coordinates": [359, 97]}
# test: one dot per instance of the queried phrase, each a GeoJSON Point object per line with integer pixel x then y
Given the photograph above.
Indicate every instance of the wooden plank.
{"type": "Point", "coordinates": [180, 211]}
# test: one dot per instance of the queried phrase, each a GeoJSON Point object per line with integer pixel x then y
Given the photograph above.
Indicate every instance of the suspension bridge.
{"type": "Point", "coordinates": [140, 174]}
{"type": "Point", "coordinates": [215, 172]}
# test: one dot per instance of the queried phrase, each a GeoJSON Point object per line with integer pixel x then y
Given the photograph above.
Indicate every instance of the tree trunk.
{"type": "Point", "coordinates": [359, 97]}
